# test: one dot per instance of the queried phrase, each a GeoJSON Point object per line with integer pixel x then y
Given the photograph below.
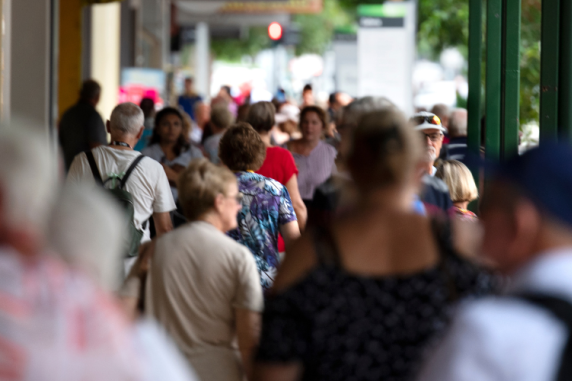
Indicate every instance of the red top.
{"type": "Point", "coordinates": [278, 165]}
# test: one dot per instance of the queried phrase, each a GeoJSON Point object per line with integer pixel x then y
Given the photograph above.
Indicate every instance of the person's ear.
{"type": "Point", "coordinates": [527, 226]}
{"type": "Point", "coordinates": [219, 203]}
{"type": "Point", "coordinates": [140, 132]}
{"type": "Point", "coordinates": [108, 127]}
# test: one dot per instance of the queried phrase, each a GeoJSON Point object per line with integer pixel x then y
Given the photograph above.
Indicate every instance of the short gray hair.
{"type": "Point", "coordinates": [458, 123]}
{"type": "Point", "coordinates": [127, 118]}
{"type": "Point", "coordinates": [28, 174]}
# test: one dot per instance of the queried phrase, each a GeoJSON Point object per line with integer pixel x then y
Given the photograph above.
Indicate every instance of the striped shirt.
{"type": "Point", "coordinates": [315, 169]}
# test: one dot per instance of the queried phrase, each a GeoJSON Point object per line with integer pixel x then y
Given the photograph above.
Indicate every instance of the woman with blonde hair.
{"type": "Point", "coordinates": [202, 286]}
{"type": "Point", "coordinates": [363, 298]}
{"type": "Point", "coordinates": [461, 185]}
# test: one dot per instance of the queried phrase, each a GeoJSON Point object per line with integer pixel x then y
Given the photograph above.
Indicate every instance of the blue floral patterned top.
{"type": "Point", "coordinates": [266, 206]}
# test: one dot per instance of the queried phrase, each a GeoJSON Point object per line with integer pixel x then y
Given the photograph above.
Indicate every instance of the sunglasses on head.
{"type": "Point", "coordinates": [430, 119]}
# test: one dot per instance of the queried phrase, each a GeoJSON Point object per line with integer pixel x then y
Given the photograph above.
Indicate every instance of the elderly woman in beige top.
{"type": "Point", "coordinates": [203, 287]}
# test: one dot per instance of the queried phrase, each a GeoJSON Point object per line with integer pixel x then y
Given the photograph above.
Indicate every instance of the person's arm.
{"type": "Point", "coordinates": [297, 203]}
{"type": "Point", "coordinates": [248, 334]}
{"type": "Point", "coordinates": [130, 292]}
{"type": "Point", "coordinates": [290, 231]}
{"type": "Point", "coordinates": [172, 175]}
{"type": "Point", "coordinates": [163, 223]}
{"type": "Point", "coordinates": [96, 133]}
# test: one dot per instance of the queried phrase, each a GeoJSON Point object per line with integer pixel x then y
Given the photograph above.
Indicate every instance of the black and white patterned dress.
{"type": "Point", "coordinates": [342, 326]}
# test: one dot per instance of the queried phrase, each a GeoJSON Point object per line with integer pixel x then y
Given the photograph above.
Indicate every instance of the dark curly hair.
{"type": "Point", "coordinates": [182, 142]}
{"type": "Point", "coordinates": [241, 148]}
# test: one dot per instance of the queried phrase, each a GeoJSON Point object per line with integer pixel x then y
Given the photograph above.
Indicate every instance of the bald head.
{"type": "Point", "coordinates": [442, 111]}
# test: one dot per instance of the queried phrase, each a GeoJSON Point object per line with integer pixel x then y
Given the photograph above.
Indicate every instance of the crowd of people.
{"type": "Point", "coordinates": [267, 241]}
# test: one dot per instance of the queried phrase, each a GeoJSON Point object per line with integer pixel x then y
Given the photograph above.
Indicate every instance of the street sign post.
{"type": "Point", "coordinates": [386, 51]}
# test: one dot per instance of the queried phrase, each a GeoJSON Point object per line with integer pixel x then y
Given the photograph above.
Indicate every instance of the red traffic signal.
{"type": "Point", "coordinates": [275, 31]}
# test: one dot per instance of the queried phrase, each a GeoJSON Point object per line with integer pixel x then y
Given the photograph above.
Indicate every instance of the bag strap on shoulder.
{"type": "Point", "coordinates": [93, 166]}
{"type": "Point", "coordinates": [562, 310]}
{"type": "Point", "coordinates": [558, 307]}
{"type": "Point", "coordinates": [130, 170]}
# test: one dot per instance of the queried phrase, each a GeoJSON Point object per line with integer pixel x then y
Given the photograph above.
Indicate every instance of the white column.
{"type": "Point", "coordinates": [30, 65]}
{"type": "Point", "coordinates": [105, 57]}
{"type": "Point", "coordinates": [202, 63]}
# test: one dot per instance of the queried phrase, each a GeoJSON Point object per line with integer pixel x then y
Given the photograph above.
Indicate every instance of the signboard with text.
{"type": "Point", "coordinates": [386, 51]}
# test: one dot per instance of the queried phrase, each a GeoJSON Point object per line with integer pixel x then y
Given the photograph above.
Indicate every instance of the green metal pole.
{"type": "Point", "coordinates": [511, 78]}
{"type": "Point", "coordinates": [549, 45]}
{"type": "Point", "coordinates": [493, 86]}
{"type": "Point", "coordinates": [565, 70]}
{"type": "Point", "coordinates": [474, 100]}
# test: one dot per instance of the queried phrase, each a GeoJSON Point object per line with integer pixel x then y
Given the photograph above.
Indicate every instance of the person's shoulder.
{"type": "Point", "coordinates": [149, 163]}
{"type": "Point", "coordinates": [274, 186]}
{"type": "Point", "coordinates": [70, 110]}
{"type": "Point", "coordinates": [328, 148]}
{"type": "Point", "coordinates": [277, 150]}
{"type": "Point", "coordinates": [503, 335]}
{"type": "Point", "coordinates": [195, 150]}
{"type": "Point", "coordinates": [504, 317]}
{"type": "Point", "coordinates": [214, 238]}
{"type": "Point", "coordinates": [280, 152]}
{"type": "Point", "coordinates": [435, 183]}
{"type": "Point", "coordinates": [211, 139]}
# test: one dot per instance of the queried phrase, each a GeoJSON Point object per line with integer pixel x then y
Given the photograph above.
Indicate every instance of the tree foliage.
{"type": "Point", "coordinates": [317, 29]}
{"type": "Point", "coordinates": [232, 50]}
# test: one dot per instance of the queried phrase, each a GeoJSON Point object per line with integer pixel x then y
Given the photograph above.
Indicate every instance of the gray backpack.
{"type": "Point", "coordinates": [125, 199]}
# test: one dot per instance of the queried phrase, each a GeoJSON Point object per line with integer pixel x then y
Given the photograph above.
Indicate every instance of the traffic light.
{"type": "Point", "coordinates": [284, 35]}
{"type": "Point", "coordinates": [275, 31]}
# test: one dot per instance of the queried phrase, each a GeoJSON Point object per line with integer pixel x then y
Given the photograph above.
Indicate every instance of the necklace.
{"type": "Point", "coordinates": [122, 144]}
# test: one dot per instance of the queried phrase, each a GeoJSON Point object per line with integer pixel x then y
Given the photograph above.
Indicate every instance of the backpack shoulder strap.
{"type": "Point", "coordinates": [562, 310]}
{"type": "Point", "coordinates": [93, 166]}
{"type": "Point", "coordinates": [558, 307]}
{"type": "Point", "coordinates": [130, 170]}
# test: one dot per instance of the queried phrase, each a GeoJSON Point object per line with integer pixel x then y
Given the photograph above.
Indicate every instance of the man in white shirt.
{"type": "Point", "coordinates": [527, 215]}
{"type": "Point", "coordinates": [147, 184]}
